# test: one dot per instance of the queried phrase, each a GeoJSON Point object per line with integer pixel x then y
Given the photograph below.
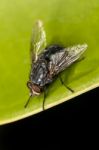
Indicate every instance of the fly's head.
{"type": "Point", "coordinates": [34, 89]}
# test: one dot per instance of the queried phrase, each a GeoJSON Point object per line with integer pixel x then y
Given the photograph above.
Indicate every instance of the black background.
{"type": "Point", "coordinates": [71, 123]}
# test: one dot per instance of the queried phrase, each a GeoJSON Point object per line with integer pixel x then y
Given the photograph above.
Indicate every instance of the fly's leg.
{"type": "Point", "coordinates": [67, 87]}
{"type": "Point", "coordinates": [61, 77]}
{"type": "Point", "coordinates": [45, 93]}
{"type": "Point", "coordinates": [62, 80]}
{"type": "Point", "coordinates": [28, 101]}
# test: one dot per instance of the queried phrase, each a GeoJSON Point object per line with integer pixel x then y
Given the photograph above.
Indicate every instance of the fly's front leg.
{"type": "Point", "coordinates": [65, 84]}
{"type": "Point", "coordinates": [45, 93]}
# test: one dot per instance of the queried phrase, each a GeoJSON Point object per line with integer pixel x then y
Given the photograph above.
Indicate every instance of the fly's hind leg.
{"type": "Point", "coordinates": [67, 87]}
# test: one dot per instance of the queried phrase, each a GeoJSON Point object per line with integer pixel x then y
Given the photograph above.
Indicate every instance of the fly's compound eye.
{"type": "Point", "coordinates": [29, 84]}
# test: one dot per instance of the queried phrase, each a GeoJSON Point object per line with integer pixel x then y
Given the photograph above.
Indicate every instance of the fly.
{"type": "Point", "coordinates": [48, 62]}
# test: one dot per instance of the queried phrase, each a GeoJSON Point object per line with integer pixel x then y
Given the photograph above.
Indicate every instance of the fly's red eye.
{"type": "Point", "coordinates": [29, 84]}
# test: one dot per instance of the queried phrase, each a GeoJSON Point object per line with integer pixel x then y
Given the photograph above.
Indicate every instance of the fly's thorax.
{"type": "Point", "coordinates": [39, 72]}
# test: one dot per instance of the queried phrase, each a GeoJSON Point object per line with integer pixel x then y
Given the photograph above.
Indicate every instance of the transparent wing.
{"type": "Point", "coordinates": [38, 40]}
{"type": "Point", "coordinates": [61, 60]}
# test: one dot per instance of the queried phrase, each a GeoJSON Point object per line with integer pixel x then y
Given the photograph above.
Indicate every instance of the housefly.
{"type": "Point", "coordinates": [48, 62]}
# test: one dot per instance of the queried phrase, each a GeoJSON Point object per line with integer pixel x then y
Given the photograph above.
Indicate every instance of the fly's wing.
{"type": "Point", "coordinates": [64, 58]}
{"type": "Point", "coordinates": [38, 40]}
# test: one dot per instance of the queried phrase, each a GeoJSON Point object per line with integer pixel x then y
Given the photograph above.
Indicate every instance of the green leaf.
{"type": "Point", "coordinates": [67, 22]}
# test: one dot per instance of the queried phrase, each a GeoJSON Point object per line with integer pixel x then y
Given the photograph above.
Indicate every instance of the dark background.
{"type": "Point", "coordinates": [69, 124]}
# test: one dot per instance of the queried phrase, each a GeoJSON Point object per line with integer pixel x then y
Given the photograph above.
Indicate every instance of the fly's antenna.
{"type": "Point", "coordinates": [28, 100]}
